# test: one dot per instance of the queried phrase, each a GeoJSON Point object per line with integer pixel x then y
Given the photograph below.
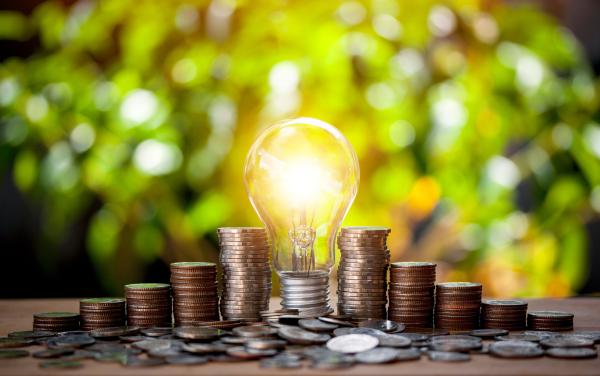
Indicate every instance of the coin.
{"type": "Point", "coordinates": [280, 362]}
{"type": "Point", "coordinates": [72, 341]}
{"type": "Point", "coordinates": [32, 334]}
{"type": "Point", "coordinates": [156, 331]}
{"type": "Point", "coordinates": [183, 359]}
{"type": "Point", "coordinates": [11, 354]}
{"type": "Point", "coordinates": [377, 355]}
{"type": "Point", "coordinates": [572, 353]}
{"type": "Point", "coordinates": [383, 325]}
{"type": "Point", "coordinates": [352, 343]}
{"type": "Point", "coordinates": [446, 356]}
{"type": "Point", "coordinates": [515, 349]}
{"type": "Point", "coordinates": [114, 332]}
{"type": "Point", "coordinates": [254, 331]}
{"type": "Point", "coordinates": [11, 342]}
{"type": "Point", "coordinates": [300, 336]}
{"type": "Point", "coordinates": [266, 344]}
{"type": "Point", "coordinates": [518, 337]}
{"type": "Point", "coordinates": [135, 361]}
{"type": "Point", "coordinates": [60, 364]}
{"type": "Point", "coordinates": [488, 333]}
{"type": "Point", "coordinates": [197, 333]}
{"type": "Point", "coordinates": [567, 342]}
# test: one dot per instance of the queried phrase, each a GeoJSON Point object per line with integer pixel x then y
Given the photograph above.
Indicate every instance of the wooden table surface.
{"type": "Point", "coordinates": [17, 315]}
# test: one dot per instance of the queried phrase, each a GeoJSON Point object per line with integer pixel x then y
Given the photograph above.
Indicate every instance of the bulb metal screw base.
{"type": "Point", "coordinates": [308, 292]}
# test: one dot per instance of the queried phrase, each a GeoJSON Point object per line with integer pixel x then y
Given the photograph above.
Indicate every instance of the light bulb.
{"type": "Point", "coordinates": [301, 177]}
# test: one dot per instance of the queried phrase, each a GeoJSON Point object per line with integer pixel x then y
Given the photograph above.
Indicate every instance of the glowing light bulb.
{"type": "Point", "coordinates": [302, 176]}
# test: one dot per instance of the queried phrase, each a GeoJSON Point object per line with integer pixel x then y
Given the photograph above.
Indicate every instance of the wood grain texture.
{"type": "Point", "coordinates": [17, 315]}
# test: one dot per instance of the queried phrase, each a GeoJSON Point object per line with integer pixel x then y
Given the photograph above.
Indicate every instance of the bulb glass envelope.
{"type": "Point", "coordinates": [302, 176]}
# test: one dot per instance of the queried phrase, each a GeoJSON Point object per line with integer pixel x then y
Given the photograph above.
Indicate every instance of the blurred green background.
{"type": "Point", "coordinates": [125, 124]}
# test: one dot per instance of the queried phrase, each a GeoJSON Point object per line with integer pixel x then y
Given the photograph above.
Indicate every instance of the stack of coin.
{"type": "Point", "coordinates": [362, 272]}
{"type": "Point", "coordinates": [550, 320]}
{"type": "Point", "coordinates": [503, 314]}
{"type": "Point", "coordinates": [245, 259]}
{"type": "Point", "coordinates": [102, 313]}
{"type": "Point", "coordinates": [411, 293]}
{"type": "Point", "coordinates": [56, 321]}
{"type": "Point", "coordinates": [148, 304]}
{"type": "Point", "coordinates": [195, 297]}
{"type": "Point", "coordinates": [457, 305]}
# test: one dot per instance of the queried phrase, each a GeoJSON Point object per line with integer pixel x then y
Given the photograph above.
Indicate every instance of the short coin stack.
{"type": "Point", "coordinates": [102, 313]}
{"type": "Point", "coordinates": [195, 297]}
{"type": "Point", "coordinates": [56, 321]}
{"type": "Point", "coordinates": [550, 320]}
{"type": "Point", "coordinates": [411, 293]}
{"type": "Point", "coordinates": [457, 305]}
{"type": "Point", "coordinates": [245, 255]}
{"type": "Point", "coordinates": [503, 314]}
{"type": "Point", "coordinates": [362, 272]}
{"type": "Point", "coordinates": [148, 304]}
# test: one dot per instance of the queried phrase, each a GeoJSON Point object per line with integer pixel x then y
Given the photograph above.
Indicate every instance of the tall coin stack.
{"type": "Point", "coordinates": [457, 305]}
{"type": "Point", "coordinates": [195, 297]}
{"type": "Point", "coordinates": [101, 313]}
{"type": "Point", "coordinates": [411, 293]}
{"type": "Point", "coordinates": [245, 255]}
{"type": "Point", "coordinates": [56, 321]}
{"type": "Point", "coordinates": [362, 272]}
{"type": "Point", "coordinates": [148, 304]}
{"type": "Point", "coordinates": [503, 314]}
{"type": "Point", "coordinates": [550, 320]}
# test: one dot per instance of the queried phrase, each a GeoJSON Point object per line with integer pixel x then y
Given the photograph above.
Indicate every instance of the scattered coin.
{"type": "Point", "coordinates": [136, 361]}
{"type": "Point", "coordinates": [198, 333]}
{"type": "Point", "coordinates": [488, 333]}
{"type": "Point", "coordinates": [60, 364]}
{"type": "Point", "coordinates": [71, 341]}
{"type": "Point", "coordinates": [9, 354]}
{"type": "Point", "coordinates": [32, 334]}
{"type": "Point", "coordinates": [383, 325]}
{"type": "Point", "coordinates": [572, 353]}
{"type": "Point", "coordinates": [515, 349]}
{"type": "Point", "coordinates": [352, 343]}
{"type": "Point", "coordinates": [408, 354]}
{"type": "Point", "coordinates": [11, 342]}
{"type": "Point", "coordinates": [445, 356]}
{"type": "Point", "coordinates": [53, 353]}
{"type": "Point", "coordinates": [455, 345]}
{"type": "Point", "coordinates": [590, 334]}
{"type": "Point", "coordinates": [316, 325]}
{"type": "Point", "coordinates": [335, 321]}
{"type": "Point", "coordinates": [254, 331]}
{"type": "Point", "coordinates": [518, 337]}
{"type": "Point", "coordinates": [115, 332]}
{"type": "Point", "coordinates": [567, 342]}
{"type": "Point", "coordinates": [205, 348]}
{"type": "Point", "coordinates": [300, 336]}
{"type": "Point", "coordinates": [266, 344]}
{"type": "Point", "coordinates": [156, 332]}
{"type": "Point", "coordinates": [377, 355]}
{"type": "Point", "coordinates": [186, 360]}
{"type": "Point", "coordinates": [280, 362]}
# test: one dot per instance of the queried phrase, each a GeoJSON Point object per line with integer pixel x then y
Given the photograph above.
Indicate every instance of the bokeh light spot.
{"type": "Point", "coordinates": [139, 106]}
{"type": "Point", "coordinates": [82, 137]}
{"type": "Point", "coordinates": [154, 157]}
{"type": "Point", "coordinates": [503, 172]}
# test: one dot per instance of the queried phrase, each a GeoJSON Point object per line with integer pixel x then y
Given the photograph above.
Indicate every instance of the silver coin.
{"type": "Point", "coordinates": [254, 331]}
{"type": "Point", "coordinates": [446, 356]}
{"type": "Point", "coordinates": [515, 349]}
{"type": "Point", "coordinates": [72, 341]}
{"type": "Point", "coordinates": [377, 355]}
{"type": "Point", "coordinates": [316, 325]}
{"type": "Point", "coordinates": [383, 325]}
{"type": "Point", "coordinates": [300, 336]}
{"type": "Point", "coordinates": [352, 343]}
{"type": "Point", "coordinates": [572, 353]}
{"type": "Point", "coordinates": [134, 361]}
{"type": "Point", "coordinates": [338, 322]}
{"type": "Point", "coordinates": [183, 359]}
{"type": "Point", "coordinates": [198, 333]}
{"type": "Point", "coordinates": [519, 337]}
{"type": "Point", "coordinates": [567, 341]}
{"type": "Point", "coordinates": [266, 344]}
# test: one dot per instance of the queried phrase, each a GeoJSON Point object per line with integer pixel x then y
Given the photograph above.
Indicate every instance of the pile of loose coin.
{"type": "Point", "coordinates": [148, 304]}
{"type": "Point", "coordinates": [457, 305]}
{"type": "Point", "coordinates": [101, 313]}
{"type": "Point", "coordinates": [246, 288]}
{"type": "Point", "coordinates": [411, 293]}
{"type": "Point", "coordinates": [289, 341]}
{"type": "Point", "coordinates": [56, 321]}
{"type": "Point", "coordinates": [550, 320]}
{"type": "Point", "coordinates": [503, 314]}
{"type": "Point", "coordinates": [194, 288]}
{"type": "Point", "coordinates": [362, 272]}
